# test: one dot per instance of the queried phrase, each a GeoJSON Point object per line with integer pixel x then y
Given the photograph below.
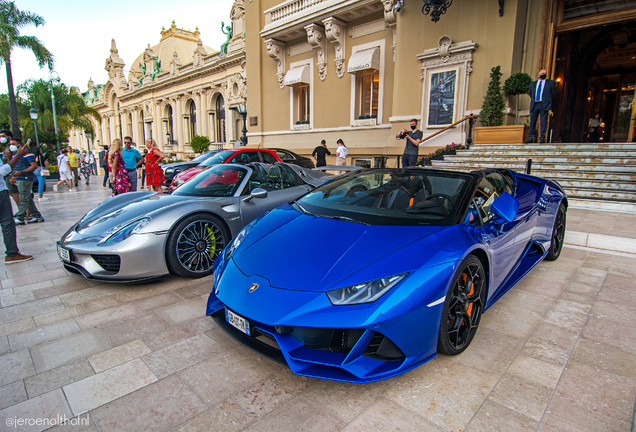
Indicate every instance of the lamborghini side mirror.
{"type": "Point", "coordinates": [505, 207]}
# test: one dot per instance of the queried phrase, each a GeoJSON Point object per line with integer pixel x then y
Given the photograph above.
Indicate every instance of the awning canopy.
{"type": "Point", "coordinates": [365, 59]}
{"type": "Point", "coordinates": [298, 74]}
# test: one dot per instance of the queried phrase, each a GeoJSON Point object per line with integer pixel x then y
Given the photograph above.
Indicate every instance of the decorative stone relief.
{"type": "Point", "coordinates": [316, 38]}
{"type": "Point", "coordinates": [390, 15]}
{"type": "Point", "coordinates": [235, 89]}
{"type": "Point", "coordinates": [175, 63]}
{"type": "Point", "coordinates": [115, 67]}
{"type": "Point", "coordinates": [335, 32]}
{"type": "Point", "coordinates": [447, 53]}
{"type": "Point", "coordinates": [238, 17]}
{"type": "Point", "coordinates": [276, 50]}
{"type": "Point", "coordinates": [199, 53]}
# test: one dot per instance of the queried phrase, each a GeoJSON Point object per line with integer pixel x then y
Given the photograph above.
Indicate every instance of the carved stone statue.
{"type": "Point", "coordinates": [157, 70]}
{"type": "Point", "coordinates": [229, 33]}
{"type": "Point", "coordinates": [175, 63]}
{"type": "Point", "coordinates": [199, 53]}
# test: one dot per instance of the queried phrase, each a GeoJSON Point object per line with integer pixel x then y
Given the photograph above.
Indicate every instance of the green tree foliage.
{"type": "Point", "coordinates": [199, 143]}
{"type": "Point", "coordinates": [517, 84]}
{"type": "Point", "coordinates": [492, 110]}
{"type": "Point", "coordinates": [11, 21]}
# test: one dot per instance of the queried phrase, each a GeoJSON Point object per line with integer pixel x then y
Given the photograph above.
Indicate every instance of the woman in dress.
{"type": "Point", "coordinates": [154, 174]}
{"type": "Point", "coordinates": [121, 181]}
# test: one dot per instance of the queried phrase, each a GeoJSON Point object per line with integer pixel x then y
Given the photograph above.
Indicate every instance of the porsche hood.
{"type": "Point", "coordinates": [341, 253]}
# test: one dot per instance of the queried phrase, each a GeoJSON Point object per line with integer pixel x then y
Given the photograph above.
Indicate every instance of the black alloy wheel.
{"type": "Point", "coordinates": [558, 235]}
{"type": "Point", "coordinates": [194, 244]}
{"type": "Point", "coordinates": [463, 307]}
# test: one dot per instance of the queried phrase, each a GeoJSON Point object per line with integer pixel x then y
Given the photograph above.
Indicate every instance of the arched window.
{"type": "Point", "coordinates": [193, 119]}
{"type": "Point", "coordinates": [220, 119]}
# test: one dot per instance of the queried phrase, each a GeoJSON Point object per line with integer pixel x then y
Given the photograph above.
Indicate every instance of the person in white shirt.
{"type": "Point", "coordinates": [341, 154]}
{"type": "Point", "coordinates": [91, 161]}
{"type": "Point", "coordinates": [64, 169]}
{"type": "Point", "coordinates": [12, 254]}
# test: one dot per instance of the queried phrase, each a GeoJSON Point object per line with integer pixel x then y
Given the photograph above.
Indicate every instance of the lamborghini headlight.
{"type": "Point", "coordinates": [125, 232]}
{"type": "Point", "coordinates": [367, 292]}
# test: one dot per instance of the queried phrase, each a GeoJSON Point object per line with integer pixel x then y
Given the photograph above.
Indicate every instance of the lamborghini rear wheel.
{"type": "Point", "coordinates": [463, 307]}
{"type": "Point", "coordinates": [558, 235]}
{"type": "Point", "coordinates": [194, 244]}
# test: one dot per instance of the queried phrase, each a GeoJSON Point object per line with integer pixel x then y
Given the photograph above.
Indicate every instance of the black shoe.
{"type": "Point", "coordinates": [542, 142]}
{"type": "Point", "coordinates": [104, 183]}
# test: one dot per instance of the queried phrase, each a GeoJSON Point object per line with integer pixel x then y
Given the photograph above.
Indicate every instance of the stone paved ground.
{"type": "Point", "coordinates": [558, 352]}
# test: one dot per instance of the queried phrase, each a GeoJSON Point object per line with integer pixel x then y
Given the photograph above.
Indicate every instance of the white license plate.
{"type": "Point", "coordinates": [64, 254]}
{"type": "Point", "coordinates": [238, 322]}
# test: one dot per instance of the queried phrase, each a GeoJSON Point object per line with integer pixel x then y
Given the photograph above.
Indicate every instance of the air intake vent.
{"type": "Point", "coordinates": [110, 263]}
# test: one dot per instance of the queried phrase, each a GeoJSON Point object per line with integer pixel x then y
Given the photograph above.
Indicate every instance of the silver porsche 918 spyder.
{"type": "Point", "coordinates": [142, 235]}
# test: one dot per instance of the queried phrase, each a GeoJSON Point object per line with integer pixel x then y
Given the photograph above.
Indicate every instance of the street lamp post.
{"type": "Point", "coordinates": [54, 79]}
{"type": "Point", "coordinates": [34, 116]}
{"type": "Point", "coordinates": [242, 110]}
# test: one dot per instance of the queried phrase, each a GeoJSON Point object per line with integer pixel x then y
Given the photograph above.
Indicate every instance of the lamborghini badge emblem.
{"type": "Point", "coordinates": [252, 288]}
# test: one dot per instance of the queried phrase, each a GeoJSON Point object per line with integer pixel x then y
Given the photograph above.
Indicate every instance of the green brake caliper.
{"type": "Point", "coordinates": [212, 238]}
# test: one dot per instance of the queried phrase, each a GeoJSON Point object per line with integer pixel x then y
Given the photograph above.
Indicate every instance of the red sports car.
{"type": "Point", "coordinates": [240, 156]}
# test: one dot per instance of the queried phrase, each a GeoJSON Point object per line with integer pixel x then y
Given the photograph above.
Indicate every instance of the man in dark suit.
{"type": "Point", "coordinates": [103, 163]}
{"type": "Point", "coordinates": [542, 91]}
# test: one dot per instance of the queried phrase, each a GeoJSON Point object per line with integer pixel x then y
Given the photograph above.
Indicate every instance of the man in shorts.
{"type": "Point", "coordinates": [64, 169]}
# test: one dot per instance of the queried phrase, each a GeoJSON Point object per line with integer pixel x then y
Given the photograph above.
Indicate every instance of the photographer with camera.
{"type": "Point", "coordinates": [413, 139]}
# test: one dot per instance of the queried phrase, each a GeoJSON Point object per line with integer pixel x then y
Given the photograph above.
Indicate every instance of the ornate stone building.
{"type": "Point", "coordinates": [173, 91]}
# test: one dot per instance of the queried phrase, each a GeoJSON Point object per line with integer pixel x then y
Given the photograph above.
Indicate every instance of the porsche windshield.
{"type": "Point", "coordinates": [390, 197]}
{"type": "Point", "coordinates": [220, 181]}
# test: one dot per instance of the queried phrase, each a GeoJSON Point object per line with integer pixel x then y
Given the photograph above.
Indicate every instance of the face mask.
{"type": "Point", "coordinates": [3, 140]}
{"type": "Point", "coordinates": [413, 127]}
{"type": "Point", "coordinates": [543, 76]}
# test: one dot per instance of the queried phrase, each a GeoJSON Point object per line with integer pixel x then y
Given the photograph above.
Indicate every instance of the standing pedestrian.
{"type": "Point", "coordinates": [154, 173]}
{"type": "Point", "coordinates": [319, 154]}
{"type": "Point", "coordinates": [73, 160]}
{"type": "Point", "coordinates": [91, 162]}
{"type": "Point", "coordinates": [413, 139]}
{"type": "Point", "coordinates": [64, 170]}
{"type": "Point", "coordinates": [132, 160]}
{"type": "Point", "coordinates": [542, 91]}
{"type": "Point", "coordinates": [42, 163]}
{"type": "Point", "coordinates": [143, 168]}
{"type": "Point", "coordinates": [12, 254]}
{"type": "Point", "coordinates": [594, 126]}
{"type": "Point", "coordinates": [5, 137]}
{"type": "Point", "coordinates": [341, 154]}
{"type": "Point", "coordinates": [25, 177]}
{"type": "Point", "coordinates": [85, 166]}
{"type": "Point", "coordinates": [103, 163]}
{"type": "Point", "coordinates": [120, 179]}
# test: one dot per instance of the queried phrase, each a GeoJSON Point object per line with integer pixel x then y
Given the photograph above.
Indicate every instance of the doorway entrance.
{"type": "Point", "coordinates": [595, 69]}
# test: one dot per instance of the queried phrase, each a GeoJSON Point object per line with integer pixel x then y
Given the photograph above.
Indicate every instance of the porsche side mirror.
{"type": "Point", "coordinates": [505, 207]}
{"type": "Point", "coordinates": [256, 193]}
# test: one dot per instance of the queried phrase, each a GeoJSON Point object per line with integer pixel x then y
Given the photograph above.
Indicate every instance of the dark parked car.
{"type": "Point", "coordinates": [170, 170]}
{"type": "Point", "coordinates": [293, 158]}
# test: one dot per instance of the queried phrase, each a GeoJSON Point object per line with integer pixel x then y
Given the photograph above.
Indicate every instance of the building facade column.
{"type": "Point", "coordinates": [199, 113]}
{"type": "Point", "coordinates": [178, 120]}
{"type": "Point", "coordinates": [113, 128]}
{"type": "Point", "coordinates": [203, 116]}
{"type": "Point", "coordinates": [135, 130]}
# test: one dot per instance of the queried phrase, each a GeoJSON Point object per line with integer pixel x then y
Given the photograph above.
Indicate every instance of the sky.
{"type": "Point", "coordinates": [79, 32]}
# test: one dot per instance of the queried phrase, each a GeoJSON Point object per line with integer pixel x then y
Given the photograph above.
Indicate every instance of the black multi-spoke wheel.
{"type": "Point", "coordinates": [194, 244]}
{"type": "Point", "coordinates": [558, 235]}
{"type": "Point", "coordinates": [463, 307]}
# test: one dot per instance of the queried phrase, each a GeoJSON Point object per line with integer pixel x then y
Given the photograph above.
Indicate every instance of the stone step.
{"type": "Point", "coordinates": [569, 146]}
{"type": "Point", "coordinates": [594, 193]}
{"type": "Point", "coordinates": [582, 183]}
{"type": "Point", "coordinates": [548, 159]}
{"type": "Point", "coordinates": [520, 166]}
{"type": "Point", "coordinates": [570, 174]}
{"type": "Point", "coordinates": [554, 153]}
{"type": "Point", "coordinates": [596, 204]}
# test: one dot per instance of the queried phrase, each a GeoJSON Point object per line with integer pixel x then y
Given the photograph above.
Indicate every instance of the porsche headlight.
{"type": "Point", "coordinates": [125, 232]}
{"type": "Point", "coordinates": [367, 292]}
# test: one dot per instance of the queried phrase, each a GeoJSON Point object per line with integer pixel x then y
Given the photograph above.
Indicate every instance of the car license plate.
{"type": "Point", "coordinates": [238, 322]}
{"type": "Point", "coordinates": [64, 253]}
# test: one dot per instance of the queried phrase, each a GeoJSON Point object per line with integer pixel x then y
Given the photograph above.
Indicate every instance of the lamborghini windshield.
{"type": "Point", "coordinates": [390, 197]}
{"type": "Point", "coordinates": [219, 181]}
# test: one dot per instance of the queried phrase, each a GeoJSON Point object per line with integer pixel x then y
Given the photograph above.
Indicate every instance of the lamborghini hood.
{"type": "Point", "coordinates": [308, 253]}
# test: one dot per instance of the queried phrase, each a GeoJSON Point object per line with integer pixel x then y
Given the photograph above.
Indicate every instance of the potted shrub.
{"type": "Point", "coordinates": [199, 144]}
{"type": "Point", "coordinates": [517, 84]}
{"type": "Point", "coordinates": [492, 117]}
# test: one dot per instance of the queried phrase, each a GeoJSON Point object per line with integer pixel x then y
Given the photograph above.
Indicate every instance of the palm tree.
{"type": "Point", "coordinates": [11, 21]}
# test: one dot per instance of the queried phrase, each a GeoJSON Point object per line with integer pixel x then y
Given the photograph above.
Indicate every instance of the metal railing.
{"type": "Point", "coordinates": [289, 8]}
{"type": "Point", "coordinates": [469, 136]}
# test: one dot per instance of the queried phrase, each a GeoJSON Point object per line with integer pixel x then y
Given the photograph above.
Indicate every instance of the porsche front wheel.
{"type": "Point", "coordinates": [194, 244]}
{"type": "Point", "coordinates": [463, 307]}
{"type": "Point", "coordinates": [558, 235]}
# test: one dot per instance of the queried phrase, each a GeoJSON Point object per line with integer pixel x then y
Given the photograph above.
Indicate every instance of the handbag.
{"type": "Point", "coordinates": [44, 172]}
